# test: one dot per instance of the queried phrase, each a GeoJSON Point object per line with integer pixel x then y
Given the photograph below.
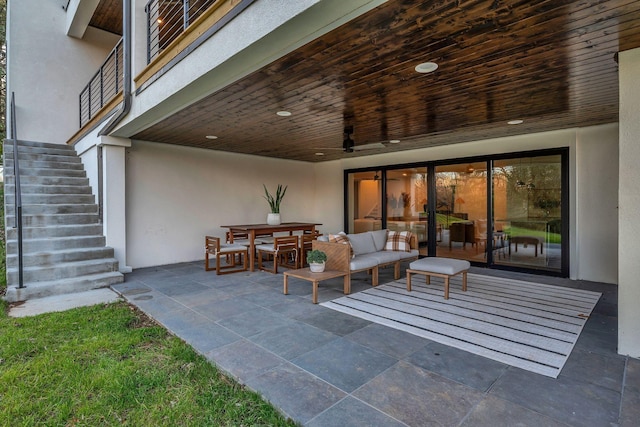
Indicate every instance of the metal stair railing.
{"type": "Point", "coordinates": [17, 190]}
{"type": "Point", "coordinates": [105, 85]}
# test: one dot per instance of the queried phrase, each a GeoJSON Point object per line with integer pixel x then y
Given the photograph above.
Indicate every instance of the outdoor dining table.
{"type": "Point", "coordinates": [260, 229]}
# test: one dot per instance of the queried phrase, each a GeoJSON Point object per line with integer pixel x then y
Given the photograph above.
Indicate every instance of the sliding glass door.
{"type": "Point", "coordinates": [365, 201]}
{"type": "Point", "coordinates": [461, 211]}
{"type": "Point", "coordinates": [406, 194]}
{"type": "Point", "coordinates": [504, 212]}
{"type": "Point", "coordinates": [528, 212]}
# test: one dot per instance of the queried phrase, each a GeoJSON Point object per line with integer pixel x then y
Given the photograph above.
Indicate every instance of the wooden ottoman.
{"type": "Point", "coordinates": [439, 267]}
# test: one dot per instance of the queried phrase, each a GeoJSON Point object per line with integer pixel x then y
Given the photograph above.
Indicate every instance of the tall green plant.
{"type": "Point", "coordinates": [274, 201]}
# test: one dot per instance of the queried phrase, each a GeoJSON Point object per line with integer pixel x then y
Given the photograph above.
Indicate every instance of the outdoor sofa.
{"type": "Point", "coordinates": [368, 251]}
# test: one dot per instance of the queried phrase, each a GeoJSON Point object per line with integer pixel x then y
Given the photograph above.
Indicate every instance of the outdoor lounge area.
{"type": "Point", "coordinates": [500, 134]}
{"type": "Point", "coordinates": [325, 368]}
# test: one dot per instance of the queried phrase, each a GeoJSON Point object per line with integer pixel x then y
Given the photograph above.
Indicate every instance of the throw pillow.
{"type": "Point", "coordinates": [341, 238]}
{"type": "Point", "coordinates": [398, 241]}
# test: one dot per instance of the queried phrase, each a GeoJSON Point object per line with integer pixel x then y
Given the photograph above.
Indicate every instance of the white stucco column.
{"type": "Point", "coordinates": [113, 196]}
{"type": "Point", "coordinates": [629, 206]}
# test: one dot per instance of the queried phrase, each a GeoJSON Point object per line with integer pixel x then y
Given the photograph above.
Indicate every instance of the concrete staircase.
{"type": "Point", "coordinates": [63, 243]}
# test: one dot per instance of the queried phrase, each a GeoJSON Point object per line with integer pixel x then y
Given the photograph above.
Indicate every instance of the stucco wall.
{"type": "Point", "coordinates": [596, 208]}
{"type": "Point", "coordinates": [175, 196]}
{"type": "Point", "coordinates": [47, 69]}
{"type": "Point", "coordinates": [590, 203]}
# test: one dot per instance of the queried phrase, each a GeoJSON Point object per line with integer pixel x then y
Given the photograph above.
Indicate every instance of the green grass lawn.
{"type": "Point", "coordinates": [111, 365]}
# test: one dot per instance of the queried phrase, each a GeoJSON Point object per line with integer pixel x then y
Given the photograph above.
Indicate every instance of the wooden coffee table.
{"type": "Point", "coordinates": [315, 278]}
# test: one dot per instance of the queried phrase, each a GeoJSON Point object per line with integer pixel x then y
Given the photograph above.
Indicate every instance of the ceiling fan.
{"type": "Point", "coordinates": [349, 145]}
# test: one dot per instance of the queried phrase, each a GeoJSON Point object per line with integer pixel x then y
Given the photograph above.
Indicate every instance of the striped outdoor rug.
{"type": "Point", "coordinates": [528, 325]}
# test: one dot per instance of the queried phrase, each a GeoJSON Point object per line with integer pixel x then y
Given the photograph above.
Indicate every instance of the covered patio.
{"type": "Point", "coordinates": [322, 367]}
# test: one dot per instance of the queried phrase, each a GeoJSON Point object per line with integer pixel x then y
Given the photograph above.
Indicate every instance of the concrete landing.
{"type": "Point", "coordinates": [63, 302]}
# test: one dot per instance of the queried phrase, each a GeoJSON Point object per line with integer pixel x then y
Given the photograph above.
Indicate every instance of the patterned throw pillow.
{"type": "Point", "coordinates": [341, 238]}
{"type": "Point", "coordinates": [398, 241]}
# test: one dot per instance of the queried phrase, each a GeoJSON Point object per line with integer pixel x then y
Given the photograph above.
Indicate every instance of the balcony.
{"type": "Point", "coordinates": [172, 26]}
{"type": "Point", "coordinates": [105, 85]}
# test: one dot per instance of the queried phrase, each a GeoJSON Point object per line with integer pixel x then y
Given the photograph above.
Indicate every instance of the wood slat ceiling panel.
{"type": "Point", "coordinates": [549, 62]}
{"type": "Point", "coordinates": [108, 16]}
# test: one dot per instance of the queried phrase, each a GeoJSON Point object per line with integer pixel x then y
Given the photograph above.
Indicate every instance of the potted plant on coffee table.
{"type": "Point", "coordinates": [316, 260]}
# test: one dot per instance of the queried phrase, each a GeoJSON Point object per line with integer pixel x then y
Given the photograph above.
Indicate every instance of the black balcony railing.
{"type": "Point", "coordinates": [167, 19]}
{"type": "Point", "coordinates": [103, 87]}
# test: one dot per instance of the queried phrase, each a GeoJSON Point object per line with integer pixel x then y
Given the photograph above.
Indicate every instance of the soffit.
{"type": "Point", "coordinates": [551, 63]}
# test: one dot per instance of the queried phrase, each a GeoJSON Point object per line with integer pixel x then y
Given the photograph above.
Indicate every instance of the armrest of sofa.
{"type": "Point", "coordinates": [338, 254]}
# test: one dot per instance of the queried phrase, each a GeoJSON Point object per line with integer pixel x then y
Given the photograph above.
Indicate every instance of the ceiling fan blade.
{"type": "Point", "coordinates": [372, 146]}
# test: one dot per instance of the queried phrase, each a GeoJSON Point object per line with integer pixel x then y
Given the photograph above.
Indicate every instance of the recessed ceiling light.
{"type": "Point", "coordinates": [319, 154]}
{"type": "Point", "coordinates": [284, 113]}
{"type": "Point", "coordinates": [515, 122]}
{"type": "Point", "coordinates": [211, 137]}
{"type": "Point", "coordinates": [426, 67]}
{"type": "Point", "coordinates": [394, 141]}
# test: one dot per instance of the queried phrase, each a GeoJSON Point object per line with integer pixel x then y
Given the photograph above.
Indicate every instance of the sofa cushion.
{"type": "Point", "coordinates": [362, 243]}
{"type": "Point", "coordinates": [413, 253]}
{"type": "Point", "coordinates": [385, 257]}
{"type": "Point", "coordinates": [363, 261]}
{"type": "Point", "coordinates": [379, 239]}
{"type": "Point", "coordinates": [398, 241]}
{"type": "Point", "coordinates": [440, 265]}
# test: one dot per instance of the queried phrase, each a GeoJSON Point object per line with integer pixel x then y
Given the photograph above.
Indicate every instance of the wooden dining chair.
{"type": "Point", "coordinates": [306, 242]}
{"type": "Point", "coordinates": [284, 252]}
{"type": "Point", "coordinates": [213, 246]}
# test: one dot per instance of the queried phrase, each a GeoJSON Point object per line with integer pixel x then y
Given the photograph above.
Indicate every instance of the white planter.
{"type": "Point", "coordinates": [316, 267]}
{"type": "Point", "coordinates": [273, 219]}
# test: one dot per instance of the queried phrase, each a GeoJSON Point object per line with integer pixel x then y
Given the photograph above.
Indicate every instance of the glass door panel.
{"type": "Point", "coordinates": [461, 211]}
{"type": "Point", "coordinates": [365, 209]}
{"type": "Point", "coordinates": [527, 210]}
{"type": "Point", "coordinates": [407, 202]}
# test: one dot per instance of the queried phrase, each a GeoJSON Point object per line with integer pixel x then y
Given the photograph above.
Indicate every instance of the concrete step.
{"type": "Point", "coordinates": [63, 244]}
{"type": "Point", "coordinates": [55, 199]}
{"type": "Point", "coordinates": [58, 231]}
{"type": "Point", "coordinates": [37, 144]}
{"type": "Point", "coordinates": [55, 243]}
{"type": "Point", "coordinates": [43, 209]}
{"type": "Point", "coordinates": [64, 302]}
{"type": "Point", "coordinates": [49, 189]}
{"type": "Point", "coordinates": [67, 157]}
{"type": "Point", "coordinates": [47, 258]}
{"type": "Point", "coordinates": [80, 173]}
{"type": "Point", "coordinates": [9, 180]}
{"type": "Point", "coordinates": [63, 270]}
{"type": "Point", "coordinates": [55, 220]}
{"type": "Point", "coordinates": [60, 287]}
{"type": "Point", "coordinates": [37, 164]}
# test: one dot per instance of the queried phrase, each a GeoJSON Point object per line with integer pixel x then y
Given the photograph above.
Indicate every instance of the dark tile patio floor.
{"type": "Point", "coordinates": [324, 368]}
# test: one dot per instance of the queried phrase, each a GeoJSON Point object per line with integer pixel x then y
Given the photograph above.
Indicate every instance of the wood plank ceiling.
{"type": "Point", "coordinates": [551, 63]}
